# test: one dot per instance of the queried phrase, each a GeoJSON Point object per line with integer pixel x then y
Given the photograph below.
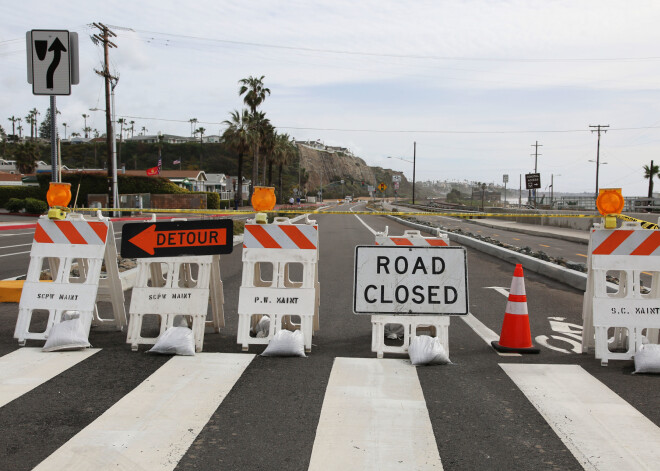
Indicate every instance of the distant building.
{"type": "Point", "coordinates": [167, 138]}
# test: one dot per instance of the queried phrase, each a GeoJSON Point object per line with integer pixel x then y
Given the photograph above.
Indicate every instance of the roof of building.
{"type": "Point", "coordinates": [190, 174]}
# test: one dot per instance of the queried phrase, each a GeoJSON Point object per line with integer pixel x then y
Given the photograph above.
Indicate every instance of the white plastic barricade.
{"type": "Point", "coordinates": [408, 326]}
{"type": "Point", "coordinates": [277, 248]}
{"type": "Point", "coordinates": [631, 313]}
{"type": "Point", "coordinates": [171, 287]}
{"type": "Point", "coordinates": [74, 249]}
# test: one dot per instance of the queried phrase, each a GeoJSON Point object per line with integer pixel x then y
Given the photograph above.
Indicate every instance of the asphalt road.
{"type": "Point", "coordinates": [481, 419]}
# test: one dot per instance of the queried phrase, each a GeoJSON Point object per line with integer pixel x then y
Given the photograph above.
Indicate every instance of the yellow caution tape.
{"type": "Point", "coordinates": [644, 224]}
{"type": "Point", "coordinates": [316, 211]}
{"type": "Point", "coordinates": [231, 212]}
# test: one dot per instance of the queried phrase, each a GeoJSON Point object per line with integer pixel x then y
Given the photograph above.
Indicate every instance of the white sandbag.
{"type": "Point", "coordinates": [647, 359]}
{"type": "Point", "coordinates": [286, 344]}
{"type": "Point", "coordinates": [425, 350]}
{"type": "Point", "coordinates": [262, 329]}
{"type": "Point", "coordinates": [175, 341]}
{"type": "Point", "coordinates": [70, 334]}
{"type": "Point", "coordinates": [394, 331]}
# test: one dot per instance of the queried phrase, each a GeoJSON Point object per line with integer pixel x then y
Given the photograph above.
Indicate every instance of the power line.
{"type": "Point", "coordinates": [402, 131]}
{"type": "Point", "coordinates": [391, 55]}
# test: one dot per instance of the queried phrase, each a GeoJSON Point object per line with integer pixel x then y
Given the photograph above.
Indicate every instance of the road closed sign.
{"type": "Point", "coordinates": [410, 280]}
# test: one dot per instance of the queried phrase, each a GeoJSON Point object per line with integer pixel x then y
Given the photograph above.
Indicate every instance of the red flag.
{"type": "Point", "coordinates": [153, 171]}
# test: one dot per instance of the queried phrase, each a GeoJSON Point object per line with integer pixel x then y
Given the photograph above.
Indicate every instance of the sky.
{"type": "Point", "coordinates": [474, 83]}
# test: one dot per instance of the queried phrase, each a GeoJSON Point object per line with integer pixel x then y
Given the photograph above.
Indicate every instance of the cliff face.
{"type": "Point", "coordinates": [324, 167]}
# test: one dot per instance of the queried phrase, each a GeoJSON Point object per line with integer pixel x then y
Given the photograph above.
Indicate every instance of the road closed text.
{"type": "Point", "coordinates": [410, 280]}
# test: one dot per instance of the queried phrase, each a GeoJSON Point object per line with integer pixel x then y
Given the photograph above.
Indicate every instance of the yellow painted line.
{"type": "Point", "coordinates": [647, 273]}
{"type": "Point", "coordinates": [543, 245]}
{"type": "Point", "coordinates": [582, 255]}
{"type": "Point", "coordinates": [496, 235]}
{"type": "Point", "coordinates": [515, 238]}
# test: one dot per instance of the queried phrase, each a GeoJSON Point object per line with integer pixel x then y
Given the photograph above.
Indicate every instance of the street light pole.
{"type": "Point", "coordinates": [414, 160]}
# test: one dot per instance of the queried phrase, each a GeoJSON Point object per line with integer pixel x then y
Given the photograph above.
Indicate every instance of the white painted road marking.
{"type": "Point", "coordinates": [602, 430]}
{"type": "Point", "coordinates": [26, 368]}
{"type": "Point", "coordinates": [154, 425]}
{"type": "Point", "coordinates": [374, 417]}
{"type": "Point", "coordinates": [485, 333]}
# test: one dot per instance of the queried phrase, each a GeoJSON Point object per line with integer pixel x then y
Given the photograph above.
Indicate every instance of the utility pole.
{"type": "Point", "coordinates": [536, 161]}
{"type": "Point", "coordinates": [104, 37]}
{"type": "Point", "coordinates": [598, 128]}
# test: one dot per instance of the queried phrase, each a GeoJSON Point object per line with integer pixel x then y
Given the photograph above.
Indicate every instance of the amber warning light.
{"type": "Point", "coordinates": [610, 201]}
{"type": "Point", "coordinates": [172, 239]}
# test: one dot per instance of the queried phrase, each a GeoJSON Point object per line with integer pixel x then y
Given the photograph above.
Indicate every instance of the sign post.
{"type": "Point", "coordinates": [52, 67]}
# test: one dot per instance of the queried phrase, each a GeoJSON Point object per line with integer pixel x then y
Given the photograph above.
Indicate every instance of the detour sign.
{"type": "Point", "coordinates": [410, 280]}
{"type": "Point", "coordinates": [172, 239]}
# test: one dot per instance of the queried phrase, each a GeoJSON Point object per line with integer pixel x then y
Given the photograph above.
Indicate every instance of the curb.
{"type": "Point", "coordinates": [563, 275]}
{"type": "Point", "coordinates": [522, 230]}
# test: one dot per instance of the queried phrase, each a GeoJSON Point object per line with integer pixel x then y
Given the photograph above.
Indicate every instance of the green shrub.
{"type": "Point", "coordinates": [21, 192]}
{"type": "Point", "coordinates": [212, 200]}
{"type": "Point", "coordinates": [14, 205]}
{"type": "Point", "coordinates": [35, 206]}
{"type": "Point", "coordinates": [225, 204]}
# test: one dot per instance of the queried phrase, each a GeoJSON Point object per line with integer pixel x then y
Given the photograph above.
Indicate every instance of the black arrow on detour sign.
{"type": "Point", "coordinates": [172, 239]}
{"type": "Point", "coordinates": [58, 48]}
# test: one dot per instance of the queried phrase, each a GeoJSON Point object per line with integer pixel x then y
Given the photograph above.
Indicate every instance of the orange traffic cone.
{"type": "Point", "coordinates": [516, 336]}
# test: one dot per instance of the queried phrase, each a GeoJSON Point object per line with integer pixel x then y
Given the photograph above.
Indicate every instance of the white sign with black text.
{"type": "Point", "coordinates": [410, 280]}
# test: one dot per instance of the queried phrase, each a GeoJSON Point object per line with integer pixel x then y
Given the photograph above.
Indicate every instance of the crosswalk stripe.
{"type": "Point", "coordinates": [154, 425]}
{"type": "Point", "coordinates": [26, 368]}
{"type": "Point", "coordinates": [374, 417]}
{"type": "Point", "coordinates": [602, 430]}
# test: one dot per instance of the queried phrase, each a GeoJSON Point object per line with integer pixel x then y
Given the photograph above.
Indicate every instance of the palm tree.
{"type": "Point", "coordinates": [65, 125]}
{"type": "Point", "coordinates": [20, 127]}
{"type": "Point", "coordinates": [192, 121]}
{"type": "Point", "coordinates": [132, 123]}
{"type": "Point", "coordinates": [13, 125]}
{"type": "Point", "coordinates": [258, 126]}
{"type": "Point", "coordinates": [237, 138]}
{"type": "Point", "coordinates": [201, 132]}
{"type": "Point", "coordinates": [29, 120]}
{"type": "Point", "coordinates": [85, 116]}
{"type": "Point", "coordinates": [144, 131]}
{"type": "Point", "coordinates": [285, 152]}
{"type": "Point", "coordinates": [254, 91]}
{"type": "Point", "coordinates": [269, 138]}
{"type": "Point", "coordinates": [255, 94]}
{"type": "Point", "coordinates": [96, 136]}
{"type": "Point", "coordinates": [650, 172]}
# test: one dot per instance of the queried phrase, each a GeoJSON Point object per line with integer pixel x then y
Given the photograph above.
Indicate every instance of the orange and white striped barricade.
{"type": "Point", "coordinates": [74, 249]}
{"type": "Point", "coordinates": [277, 251]}
{"type": "Point", "coordinates": [166, 289]}
{"type": "Point", "coordinates": [408, 326]}
{"type": "Point", "coordinates": [627, 251]}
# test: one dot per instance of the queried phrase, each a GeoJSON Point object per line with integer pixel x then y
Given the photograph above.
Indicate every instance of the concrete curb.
{"type": "Point", "coordinates": [572, 278]}
{"type": "Point", "coordinates": [523, 230]}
